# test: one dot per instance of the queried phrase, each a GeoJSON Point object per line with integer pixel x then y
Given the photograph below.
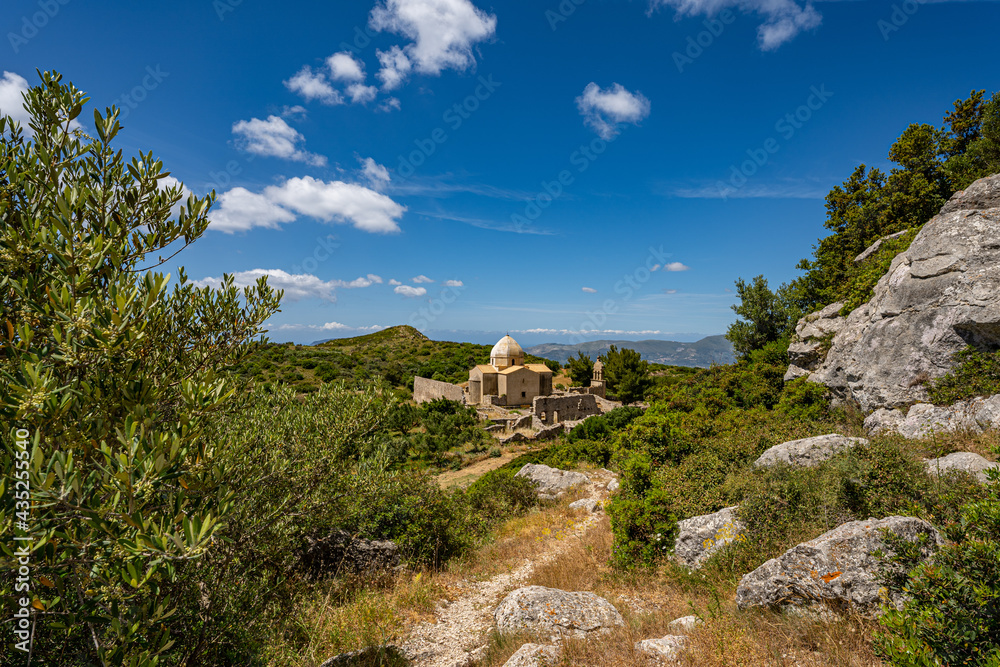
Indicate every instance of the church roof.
{"type": "Point", "coordinates": [510, 370]}
{"type": "Point", "coordinates": [598, 364]}
{"type": "Point", "coordinates": [486, 369]}
{"type": "Point", "coordinates": [539, 368]}
{"type": "Point", "coordinates": [506, 347]}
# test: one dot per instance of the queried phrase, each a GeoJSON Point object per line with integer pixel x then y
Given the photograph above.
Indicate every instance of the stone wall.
{"type": "Point", "coordinates": [554, 409]}
{"type": "Point", "coordinates": [427, 390]}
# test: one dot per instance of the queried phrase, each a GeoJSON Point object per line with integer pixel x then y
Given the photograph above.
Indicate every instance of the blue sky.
{"type": "Point", "coordinates": [474, 168]}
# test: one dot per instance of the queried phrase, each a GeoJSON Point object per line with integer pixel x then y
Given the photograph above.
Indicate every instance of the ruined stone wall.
{"type": "Point", "coordinates": [427, 390]}
{"type": "Point", "coordinates": [552, 409]}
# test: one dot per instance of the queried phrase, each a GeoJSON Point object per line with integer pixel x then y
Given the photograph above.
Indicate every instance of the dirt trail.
{"type": "Point", "coordinates": [461, 626]}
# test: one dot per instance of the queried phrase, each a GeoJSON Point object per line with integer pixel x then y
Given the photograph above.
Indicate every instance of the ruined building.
{"type": "Point", "coordinates": [507, 380]}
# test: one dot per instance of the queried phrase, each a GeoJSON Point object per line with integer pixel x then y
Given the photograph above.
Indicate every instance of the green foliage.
{"type": "Point", "coordinates": [861, 279]}
{"type": "Point", "coordinates": [626, 375]}
{"type": "Point", "coordinates": [581, 370]}
{"type": "Point", "coordinates": [642, 522]}
{"type": "Point", "coordinates": [804, 400]}
{"type": "Point", "coordinates": [603, 427]}
{"type": "Point", "coordinates": [499, 495]}
{"type": "Point", "coordinates": [976, 374]}
{"type": "Point", "coordinates": [952, 614]}
{"type": "Point", "coordinates": [766, 317]}
{"type": "Point", "coordinates": [447, 425]}
{"type": "Point", "coordinates": [112, 374]}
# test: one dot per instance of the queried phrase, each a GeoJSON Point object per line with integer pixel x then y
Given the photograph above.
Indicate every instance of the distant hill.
{"type": "Point", "coordinates": [703, 353]}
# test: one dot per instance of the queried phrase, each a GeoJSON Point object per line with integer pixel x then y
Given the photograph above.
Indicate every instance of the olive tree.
{"type": "Point", "coordinates": [114, 373]}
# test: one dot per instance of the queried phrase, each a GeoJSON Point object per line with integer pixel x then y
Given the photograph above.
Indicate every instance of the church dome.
{"type": "Point", "coordinates": [506, 347]}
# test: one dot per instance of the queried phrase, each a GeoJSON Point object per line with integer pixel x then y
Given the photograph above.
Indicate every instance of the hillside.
{"type": "Point", "coordinates": [702, 353]}
{"type": "Point", "coordinates": [396, 354]}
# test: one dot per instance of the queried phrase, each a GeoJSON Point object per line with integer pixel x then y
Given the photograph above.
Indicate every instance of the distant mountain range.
{"type": "Point", "coordinates": [703, 353]}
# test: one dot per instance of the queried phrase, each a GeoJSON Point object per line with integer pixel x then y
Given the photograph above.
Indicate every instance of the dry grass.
{"type": "Point", "coordinates": [941, 444]}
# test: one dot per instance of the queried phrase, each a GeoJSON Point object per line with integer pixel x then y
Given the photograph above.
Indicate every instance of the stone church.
{"type": "Point", "coordinates": [507, 380]}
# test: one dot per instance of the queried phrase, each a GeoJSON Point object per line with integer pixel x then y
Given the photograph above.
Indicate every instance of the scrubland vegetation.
{"type": "Point", "coordinates": [177, 468]}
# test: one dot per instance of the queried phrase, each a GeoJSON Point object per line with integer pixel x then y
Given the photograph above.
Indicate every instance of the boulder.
{"type": "Point", "coordinates": [551, 480]}
{"type": "Point", "coordinates": [664, 649]}
{"type": "Point", "coordinates": [685, 623]}
{"type": "Point", "coordinates": [808, 452]}
{"type": "Point", "coordinates": [939, 296]}
{"type": "Point", "coordinates": [613, 485]}
{"type": "Point", "coordinates": [813, 336]}
{"type": "Point", "coordinates": [341, 553]}
{"type": "Point", "coordinates": [701, 536]}
{"type": "Point", "coordinates": [974, 464]}
{"type": "Point", "coordinates": [838, 569]}
{"type": "Point", "coordinates": [923, 419]}
{"type": "Point", "coordinates": [534, 655]}
{"type": "Point", "coordinates": [586, 504]}
{"type": "Point", "coordinates": [794, 373]}
{"type": "Point", "coordinates": [555, 612]}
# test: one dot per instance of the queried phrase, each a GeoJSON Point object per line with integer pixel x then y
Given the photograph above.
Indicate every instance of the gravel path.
{"type": "Point", "coordinates": [459, 633]}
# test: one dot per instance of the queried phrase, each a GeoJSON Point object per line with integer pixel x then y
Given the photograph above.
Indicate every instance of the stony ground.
{"type": "Point", "coordinates": [458, 634]}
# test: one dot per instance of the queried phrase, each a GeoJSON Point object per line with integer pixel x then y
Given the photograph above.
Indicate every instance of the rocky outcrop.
{"type": "Point", "coordinates": [701, 536]}
{"type": "Point", "coordinates": [684, 623]}
{"type": "Point", "coordinates": [340, 553]}
{"type": "Point", "coordinates": [875, 247]}
{"type": "Point", "coordinates": [613, 485]}
{"type": "Point", "coordinates": [554, 612]}
{"type": "Point", "coordinates": [664, 649]}
{"type": "Point", "coordinates": [939, 296]}
{"type": "Point", "coordinates": [551, 481]}
{"type": "Point", "coordinates": [967, 462]}
{"type": "Point", "coordinates": [923, 419]}
{"type": "Point", "coordinates": [586, 504]}
{"type": "Point", "coordinates": [838, 569]}
{"type": "Point", "coordinates": [812, 339]}
{"type": "Point", "coordinates": [534, 655]}
{"type": "Point", "coordinates": [808, 452]}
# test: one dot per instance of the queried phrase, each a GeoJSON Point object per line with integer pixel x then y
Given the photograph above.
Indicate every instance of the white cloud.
{"type": "Point", "coordinates": [393, 281]}
{"type": "Point", "coordinates": [443, 32]}
{"type": "Point", "coordinates": [295, 286]}
{"type": "Point", "coordinates": [274, 138]}
{"type": "Point", "coordinates": [670, 291]}
{"type": "Point", "coordinates": [314, 86]}
{"type": "Point", "coordinates": [605, 109]}
{"type": "Point", "coordinates": [361, 94]}
{"type": "Point", "coordinates": [343, 67]}
{"type": "Point", "coordinates": [239, 209]}
{"type": "Point", "coordinates": [376, 174]}
{"type": "Point", "coordinates": [330, 201]}
{"type": "Point", "coordinates": [453, 283]}
{"type": "Point", "coordinates": [295, 113]}
{"type": "Point", "coordinates": [375, 279]}
{"type": "Point", "coordinates": [675, 266]}
{"type": "Point", "coordinates": [783, 19]}
{"type": "Point", "coordinates": [396, 66]}
{"type": "Point", "coordinates": [337, 201]}
{"type": "Point", "coordinates": [422, 279]}
{"type": "Point", "coordinates": [590, 290]}
{"type": "Point", "coordinates": [389, 105]}
{"type": "Point", "coordinates": [12, 87]}
{"type": "Point", "coordinates": [410, 292]}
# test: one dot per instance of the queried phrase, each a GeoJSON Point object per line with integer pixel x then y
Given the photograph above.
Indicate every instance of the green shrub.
{"type": "Point", "coordinates": [804, 400]}
{"type": "Point", "coordinates": [601, 427]}
{"type": "Point", "coordinates": [499, 495]}
{"type": "Point", "coordinates": [642, 521]}
{"type": "Point", "coordinates": [976, 374]}
{"type": "Point", "coordinates": [952, 616]}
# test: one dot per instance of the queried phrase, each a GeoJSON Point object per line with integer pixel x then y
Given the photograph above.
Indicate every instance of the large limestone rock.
{"type": "Point", "coordinates": [923, 419]}
{"type": "Point", "coordinates": [551, 480]}
{"type": "Point", "coordinates": [838, 569]}
{"type": "Point", "coordinates": [813, 336]}
{"type": "Point", "coordinates": [701, 536]}
{"type": "Point", "coordinates": [534, 655]}
{"type": "Point", "coordinates": [940, 295]}
{"type": "Point", "coordinates": [974, 464]}
{"type": "Point", "coordinates": [555, 612]}
{"type": "Point", "coordinates": [808, 452]}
